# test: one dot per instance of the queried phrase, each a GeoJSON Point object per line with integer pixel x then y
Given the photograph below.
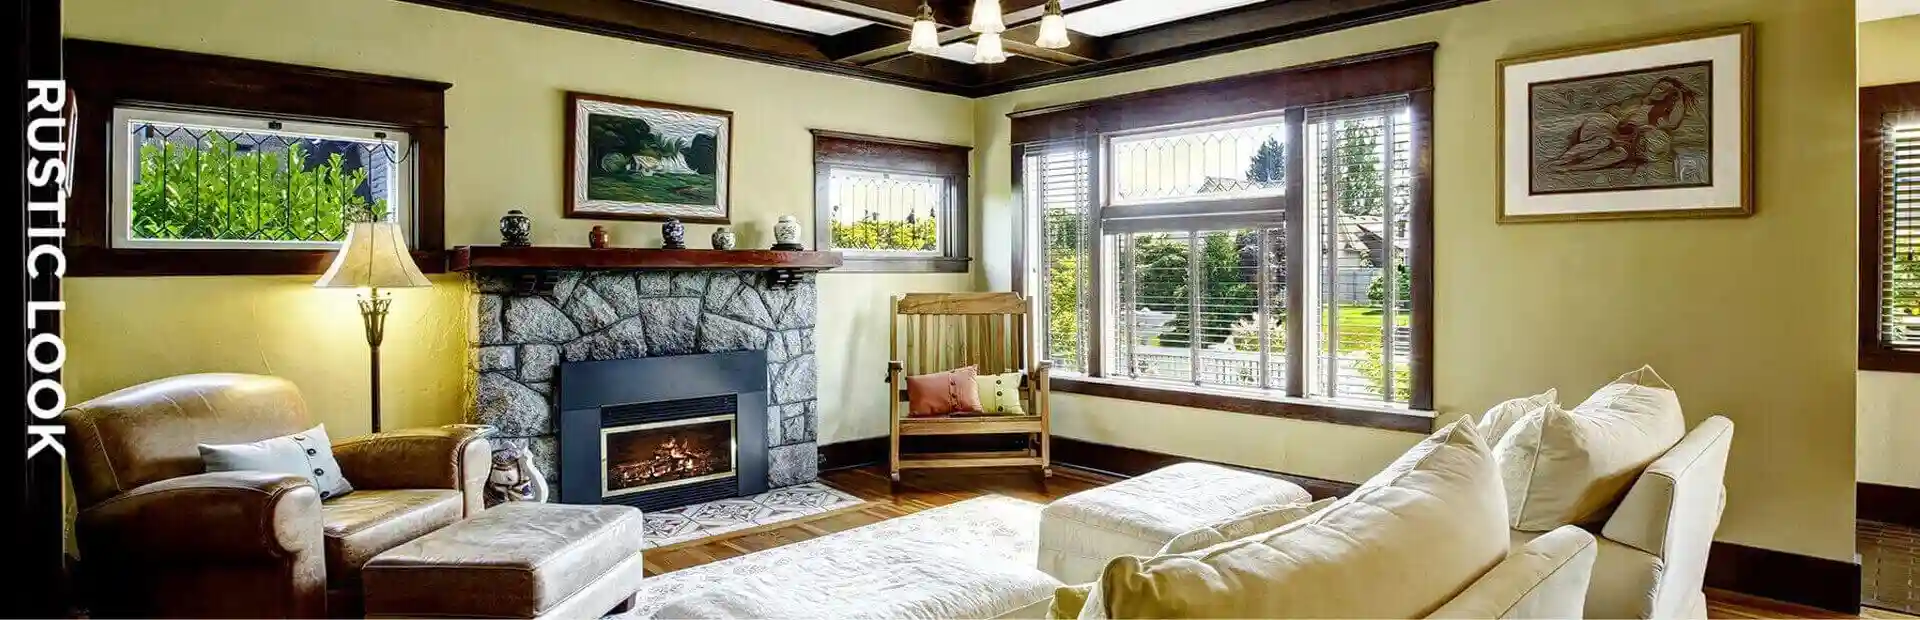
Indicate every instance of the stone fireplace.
{"type": "Point", "coordinates": [596, 315]}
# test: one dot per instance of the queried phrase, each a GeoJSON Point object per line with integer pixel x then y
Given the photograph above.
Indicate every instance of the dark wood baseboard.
{"type": "Point", "coordinates": [1813, 581]}
{"type": "Point", "coordinates": [1818, 582]}
{"type": "Point", "coordinates": [1888, 504]}
{"type": "Point", "coordinates": [860, 452]}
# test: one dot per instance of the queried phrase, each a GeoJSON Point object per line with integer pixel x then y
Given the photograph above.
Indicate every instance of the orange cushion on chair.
{"type": "Point", "coordinates": [942, 393]}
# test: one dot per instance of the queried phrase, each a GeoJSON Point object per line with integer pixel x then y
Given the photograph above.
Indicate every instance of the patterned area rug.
{"type": "Point", "coordinates": [970, 559]}
{"type": "Point", "coordinates": [713, 518]}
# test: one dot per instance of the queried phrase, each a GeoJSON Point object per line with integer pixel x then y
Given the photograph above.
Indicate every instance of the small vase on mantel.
{"type": "Point", "coordinates": [673, 235]}
{"type": "Point", "coordinates": [597, 238]}
{"type": "Point", "coordinates": [786, 234]}
{"type": "Point", "coordinates": [723, 238]}
{"type": "Point", "coordinates": [516, 229]}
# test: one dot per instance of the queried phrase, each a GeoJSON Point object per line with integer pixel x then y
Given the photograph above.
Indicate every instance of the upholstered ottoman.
{"type": "Point", "coordinates": [1079, 533]}
{"type": "Point", "coordinates": [516, 560]}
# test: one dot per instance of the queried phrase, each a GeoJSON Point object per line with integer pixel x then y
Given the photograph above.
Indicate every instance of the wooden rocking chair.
{"type": "Point", "coordinates": [944, 331]}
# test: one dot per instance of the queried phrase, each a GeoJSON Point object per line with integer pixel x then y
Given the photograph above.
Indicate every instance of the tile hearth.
{"type": "Point", "coordinates": [666, 527]}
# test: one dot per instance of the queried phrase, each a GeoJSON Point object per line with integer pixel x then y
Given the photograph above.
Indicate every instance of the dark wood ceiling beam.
{"type": "Point", "coordinates": [673, 26]}
{"type": "Point", "coordinates": [1220, 32]}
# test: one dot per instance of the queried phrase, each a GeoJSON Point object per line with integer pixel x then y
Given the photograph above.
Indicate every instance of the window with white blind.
{"type": "Point", "coordinates": [1891, 158]}
{"type": "Point", "coordinates": [1188, 258]}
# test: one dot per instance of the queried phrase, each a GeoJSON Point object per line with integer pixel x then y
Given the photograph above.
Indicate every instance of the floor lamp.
{"type": "Point", "coordinates": [374, 257]}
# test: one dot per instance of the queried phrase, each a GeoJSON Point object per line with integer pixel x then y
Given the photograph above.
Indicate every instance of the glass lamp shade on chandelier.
{"type": "Point", "coordinates": [989, 23]}
{"type": "Point", "coordinates": [374, 256]}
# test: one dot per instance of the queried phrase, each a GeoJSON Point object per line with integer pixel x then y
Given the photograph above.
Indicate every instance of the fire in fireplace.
{"type": "Point", "coordinates": [646, 457]}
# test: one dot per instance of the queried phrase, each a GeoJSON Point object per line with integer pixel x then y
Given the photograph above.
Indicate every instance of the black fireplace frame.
{"type": "Point", "coordinates": [586, 391]}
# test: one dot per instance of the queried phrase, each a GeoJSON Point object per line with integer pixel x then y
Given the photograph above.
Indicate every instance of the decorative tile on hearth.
{"type": "Point", "coordinates": [801, 498]}
{"type": "Point", "coordinates": [720, 513]}
{"type": "Point", "coordinates": [662, 526]}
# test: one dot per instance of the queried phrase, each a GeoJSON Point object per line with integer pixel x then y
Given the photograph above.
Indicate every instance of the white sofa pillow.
{"type": "Point", "coordinates": [308, 453]}
{"type": "Point", "coordinates": [1570, 467]}
{"type": "Point", "coordinates": [1425, 528]}
{"type": "Point", "coordinates": [1495, 423]}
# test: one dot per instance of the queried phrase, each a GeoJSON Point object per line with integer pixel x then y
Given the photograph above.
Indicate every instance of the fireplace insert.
{"type": "Point", "coordinates": [664, 431]}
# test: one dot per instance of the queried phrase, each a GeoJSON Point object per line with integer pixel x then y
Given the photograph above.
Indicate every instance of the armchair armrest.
{"type": "Point", "coordinates": [236, 515]}
{"type": "Point", "coordinates": [445, 457]}
{"type": "Point", "coordinates": [1547, 578]}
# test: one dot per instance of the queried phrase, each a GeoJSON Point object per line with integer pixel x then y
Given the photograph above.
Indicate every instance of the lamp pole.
{"type": "Point", "coordinates": [373, 312]}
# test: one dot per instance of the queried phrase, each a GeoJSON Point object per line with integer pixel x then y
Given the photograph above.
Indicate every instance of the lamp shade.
{"type": "Point", "coordinates": [373, 256]}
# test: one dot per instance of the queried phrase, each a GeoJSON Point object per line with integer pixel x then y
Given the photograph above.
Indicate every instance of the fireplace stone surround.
{"type": "Point", "coordinates": [607, 314]}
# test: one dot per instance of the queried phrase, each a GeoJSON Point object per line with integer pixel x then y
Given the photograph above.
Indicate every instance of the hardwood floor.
{"type": "Point", "coordinates": [928, 489]}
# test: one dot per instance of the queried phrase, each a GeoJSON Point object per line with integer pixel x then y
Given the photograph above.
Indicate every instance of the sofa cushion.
{"type": "Point", "coordinates": [1079, 533]}
{"type": "Point", "coordinates": [1400, 546]}
{"type": "Point", "coordinates": [365, 523]}
{"type": "Point", "coordinates": [1570, 467]}
{"type": "Point", "coordinates": [1495, 423]}
{"type": "Point", "coordinates": [1247, 523]}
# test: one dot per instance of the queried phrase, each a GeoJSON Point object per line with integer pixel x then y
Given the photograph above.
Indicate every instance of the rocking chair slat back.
{"type": "Point", "coordinates": [937, 332]}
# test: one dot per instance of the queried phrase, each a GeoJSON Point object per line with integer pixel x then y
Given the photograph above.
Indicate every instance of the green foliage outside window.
{"type": "Point", "coordinates": [877, 234]}
{"type": "Point", "coordinates": [216, 192]}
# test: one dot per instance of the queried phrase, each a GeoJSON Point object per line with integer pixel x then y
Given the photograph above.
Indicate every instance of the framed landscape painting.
{"type": "Point", "coordinates": [639, 160]}
{"type": "Point", "coordinates": [1654, 128]}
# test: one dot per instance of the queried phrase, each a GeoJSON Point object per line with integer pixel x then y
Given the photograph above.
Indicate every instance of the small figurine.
{"type": "Point", "coordinates": [723, 239]}
{"type": "Point", "coordinates": [597, 238]}
{"type": "Point", "coordinates": [786, 234]}
{"type": "Point", "coordinates": [673, 235]}
{"type": "Point", "coordinates": [516, 229]}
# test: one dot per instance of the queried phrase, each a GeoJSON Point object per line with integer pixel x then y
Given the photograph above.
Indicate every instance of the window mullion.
{"type": "Point", "coordinates": [1390, 282]}
{"type": "Point", "coordinates": [1096, 197]}
{"type": "Point", "coordinates": [1296, 226]}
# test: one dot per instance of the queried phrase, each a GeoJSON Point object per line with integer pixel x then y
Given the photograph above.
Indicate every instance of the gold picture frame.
{"type": "Point", "coordinates": [1724, 189]}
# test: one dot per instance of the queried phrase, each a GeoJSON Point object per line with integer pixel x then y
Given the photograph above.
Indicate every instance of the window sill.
{"type": "Point", "coordinates": [1312, 410]}
{"type": "Point", "coordinates": [914, 264]}
{"type": "Point", "coordinates": [1885, 359]}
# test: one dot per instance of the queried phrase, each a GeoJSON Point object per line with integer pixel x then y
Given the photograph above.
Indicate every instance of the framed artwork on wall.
{"type": "Point", "coordinates": [629, 159]}
{"type": "Point", "coordinates": [1643, 129]}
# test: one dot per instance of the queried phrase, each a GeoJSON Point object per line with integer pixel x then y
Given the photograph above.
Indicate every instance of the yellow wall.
{"type": "Point", "coordinates": [1889, 431]}
{"type": "Point", "coordinates": [504, 146]}
{"type": "Point", "coordinates": [1751, 318]}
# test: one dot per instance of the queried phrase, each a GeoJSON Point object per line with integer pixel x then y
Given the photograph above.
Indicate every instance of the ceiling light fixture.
{"type": "Point", "coordinates": [986, 17]}
{"type": "Point", "coordinates": [988, 50]}
{"type": "Point", "coordinates": [926, 35]}
{"type": "Point", "coordinates": [1053, 28]}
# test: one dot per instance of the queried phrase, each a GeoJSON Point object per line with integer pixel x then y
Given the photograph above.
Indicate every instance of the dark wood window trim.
{"type": "Point", "coordinates": [1405, 71]}
{"type": "Point", "coordinates": [105, 75]}
{"type": "Point", "coordinates": [1875, 103]}
{"type": "Point", "coordinates": [833, 149]}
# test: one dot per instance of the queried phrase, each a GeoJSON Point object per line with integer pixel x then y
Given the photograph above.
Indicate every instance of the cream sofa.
{"type": "Point", "coordinates": [1652, 560]}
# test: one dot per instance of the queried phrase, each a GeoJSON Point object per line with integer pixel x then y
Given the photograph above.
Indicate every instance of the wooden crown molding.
{"type": "Point", "coordinates": [878, 51]}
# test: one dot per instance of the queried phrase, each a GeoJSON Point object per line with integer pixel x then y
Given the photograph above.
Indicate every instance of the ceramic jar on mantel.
{"type": "Point", "coordinates": [786, 234]}
{"type": "Point", "coordinates": [723, 239]}
{"type": "Point", "coordinates": [516, 229]}
{"type": "Point", "coordinates": [673, 235]}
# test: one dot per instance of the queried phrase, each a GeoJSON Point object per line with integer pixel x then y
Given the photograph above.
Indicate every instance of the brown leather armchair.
{"type": "Point", "coordinates": [160, 536]}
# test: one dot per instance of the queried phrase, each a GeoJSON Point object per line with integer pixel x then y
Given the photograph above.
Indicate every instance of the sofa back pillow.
{"type": "Point", "coordinates": [1566, 467]}
{"type": "Point", "coordinates": [1495, 423]}
{"type": "Point", "coordinates": [1401, 546]}
{"type": "Point", "coordinates": [1247, 522]}
{"type": "Point", "coordinates": [308, 453]}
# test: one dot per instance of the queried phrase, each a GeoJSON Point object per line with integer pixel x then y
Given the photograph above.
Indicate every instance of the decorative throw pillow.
{"type": "Point", "coordinates": [1570, 467]}
{"type": "Point", "coordinates": [308, 453]}
{"type": "Point", "coordinates": [1001, 393]}
{"type": "Point", "coordinates": [942, 393]}
{"type": "Point", "coordinates": [1068, 601]}
{"type": "Point", "coordinates": [1430, 524]}
{"type": "Point", "coordinates": [1247, 523]}
{"type": "Point", "coordinates": [1495, 423]}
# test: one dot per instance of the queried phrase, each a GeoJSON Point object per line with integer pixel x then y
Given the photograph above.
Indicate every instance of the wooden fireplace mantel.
{"type": "Point", "coordinates": [479, 257]}
{"type": "Point", "coordinates": [537, 266]}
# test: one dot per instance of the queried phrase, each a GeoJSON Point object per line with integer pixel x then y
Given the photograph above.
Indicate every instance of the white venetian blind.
{"type": "Point", "coordinates": [1057, 181]}
{"type": "Point", "coordinates": [1359, 209]}
{"type": "Point", "coordinates": [1900, 233]}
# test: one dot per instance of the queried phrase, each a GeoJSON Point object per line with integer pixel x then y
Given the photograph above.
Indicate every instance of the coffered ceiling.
{"type": "Point", "coordinates": [868, 38]}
